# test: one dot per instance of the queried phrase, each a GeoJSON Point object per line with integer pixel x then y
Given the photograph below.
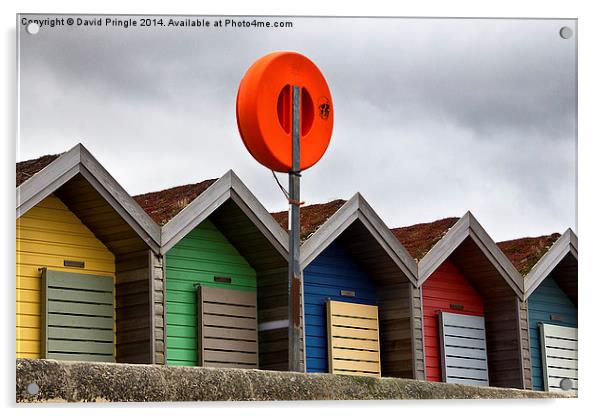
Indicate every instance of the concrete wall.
{"type": "Point", "coordinates": [62, 381]}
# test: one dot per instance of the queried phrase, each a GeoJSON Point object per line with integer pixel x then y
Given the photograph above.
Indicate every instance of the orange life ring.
{"type": "Point", "coordinates": [264, 110]}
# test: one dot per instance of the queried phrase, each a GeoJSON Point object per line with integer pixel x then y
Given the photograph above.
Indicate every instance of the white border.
{"type": "Point", "coordinates": [590, 68]}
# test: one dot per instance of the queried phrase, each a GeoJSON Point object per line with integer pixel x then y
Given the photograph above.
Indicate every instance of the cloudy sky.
{"type": "Point", "coordinates": [433, 117]}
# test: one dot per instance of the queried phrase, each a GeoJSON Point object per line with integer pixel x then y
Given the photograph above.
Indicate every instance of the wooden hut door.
{"type": "Point", "coordinates": [463, 349]}
{"type": "Point", "coordinates": [77, 316]}
{"type": "Point", "coordinates": [227, 328]}
{"type": "Point", "coordinates": [558, 356]}
{"type": "Point", "coordinates": [353, 338]}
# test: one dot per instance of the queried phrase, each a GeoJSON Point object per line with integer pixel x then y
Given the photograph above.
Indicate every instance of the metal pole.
{"type": "Point", "coordinates": [294, 268]}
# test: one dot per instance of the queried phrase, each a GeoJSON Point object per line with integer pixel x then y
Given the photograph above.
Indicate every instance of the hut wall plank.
{"type": "Point", "coordinates": [398, 329]}
{"type": "Point", "coordinates": [133, 313]}
{"type": "Point", "coordinates": [272, 304]}
{"type": "Point", "coordinates": [417, 326]}
{"type": "Point", "coordinates": [158, 307]}
{"type": "Point", "coordinates": [506, 366]}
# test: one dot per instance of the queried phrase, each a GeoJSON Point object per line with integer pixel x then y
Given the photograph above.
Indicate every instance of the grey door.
{"type": "Point", "coordinates": [77, 316]}
{"type": "Point", "coordinates": [227, 328]}
{"type": "Point", "coordinates": [559, 357]}
{"type": "Point", "coordinates": [463, 349]}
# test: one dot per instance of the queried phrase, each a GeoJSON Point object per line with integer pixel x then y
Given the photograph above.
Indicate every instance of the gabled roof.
{"type": "Point", "coordinates": [356, 217]}
{"type": "Point", "coordinates": [163, 205]}
{"type": "Point", "coordinates": [28, 168]}
{"type": "Point", "coordinates": [560, 260]}
{"type": "Point", "coordinates": [525, 252]}
{"type": "Point", "coordinates": [312, 216]}
{"type": "Point", "coordinates": [227, 189]}
{"type": "Point", "coordinates": [418, 239]}
{"type": "Point", "coordinates": [48, 174]}
{"type": "Point", "coordinates": [468, 228]}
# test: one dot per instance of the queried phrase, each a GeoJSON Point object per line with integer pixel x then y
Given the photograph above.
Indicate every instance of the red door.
{"type": "Point", "coordinates": [446, 290]}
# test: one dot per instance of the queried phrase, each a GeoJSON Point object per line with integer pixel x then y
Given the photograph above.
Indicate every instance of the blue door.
{"type": "Point", "coordinates": [548, 304]}
{"type": "Point", "coordinates": [334, 275]}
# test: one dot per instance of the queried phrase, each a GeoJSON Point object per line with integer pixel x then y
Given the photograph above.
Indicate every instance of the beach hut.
{"type": "Point", "coordinates": [475, 327]}
{"type": "Point", "coordinates": [552, 301]}
{"type": "Point", "coordinates": [84, 249]}
{"type": "Point", "coordinates": [360, 299]}
{"type": "Point", "coordinates": [222, 276]}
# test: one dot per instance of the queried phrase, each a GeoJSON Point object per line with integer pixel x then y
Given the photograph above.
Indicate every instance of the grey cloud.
{"type": "Point", "coordinates": [433, 116]}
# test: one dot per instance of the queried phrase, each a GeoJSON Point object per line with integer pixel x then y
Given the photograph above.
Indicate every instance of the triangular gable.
{"type": "Point", "coordinates": [565, 246]}
{"type": "Point", "coordinates": [227, 188]}
{"type": "Point", "coordinates": [76, 161]}
{"type": "Point", "coordinates": [469, 227]}
{"type": "Point", "coordinates": [358, 209]}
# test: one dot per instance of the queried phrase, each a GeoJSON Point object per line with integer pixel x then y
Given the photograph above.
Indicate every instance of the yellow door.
{"type": "Point", "coordinates": [51, 236]}
{"type": "Point", "coordinates": [353, 340]}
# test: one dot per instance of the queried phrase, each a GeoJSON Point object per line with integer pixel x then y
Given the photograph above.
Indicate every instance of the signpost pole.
{"type": "Point", "coordinates": [294, 267]}
{"type": "Point", "coordinates": [265, 131]}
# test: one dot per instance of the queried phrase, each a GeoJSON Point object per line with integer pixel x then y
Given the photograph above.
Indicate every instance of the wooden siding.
{"type": "Point", "coordinates": [158, 308]}
{"type": "Point", "coordinates": [548, 304]}
{"type": "Point", "coordinates": [198, 258]}
{"type": "Point", "coordinates": [446, 290]}
{"type": "Point", "coordinates": [272, 303]}
{"type": "Point", "coordinates": [417, 327]}
{"type": "Point", "coordinates": [227, 328]}
{"type": "Point", "coordinates": [505, 342]}
{"type": "Point", "coordinates": [331, 272]}
{"type": "Point", "coordinates": [47, 235]}
{"type": "Point", "coordinates": [400, 317]}
{"type": "Point", "coordinates": [353, 342]}
{"type": "Point", "coordinates": [133, 308]}
{"type": "Point", "coordinates": [77, 317]}
{"type": "Point", "coordinates": [525, 344]}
